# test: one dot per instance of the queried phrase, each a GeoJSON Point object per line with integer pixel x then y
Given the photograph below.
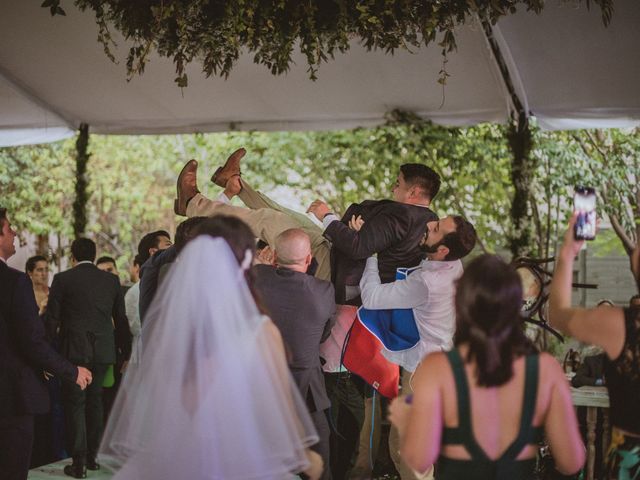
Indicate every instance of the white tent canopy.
{"type": "Point", "coordinates": [568, 70]}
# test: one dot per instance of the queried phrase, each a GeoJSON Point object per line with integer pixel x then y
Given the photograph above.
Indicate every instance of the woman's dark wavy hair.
{"type": "Point", "coordinates": [239, 237]}
{"type": "Point", "coordinates": [488, 305]}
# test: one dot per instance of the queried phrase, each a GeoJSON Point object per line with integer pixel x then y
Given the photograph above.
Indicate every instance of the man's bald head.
{"type": "Point", "coordinates": [293, 249]}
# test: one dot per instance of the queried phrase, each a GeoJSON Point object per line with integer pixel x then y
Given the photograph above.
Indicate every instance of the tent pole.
{"type": "Point", "coordinates": [522, 165]}
{"type": "Point", "coordinates": [82, 197]}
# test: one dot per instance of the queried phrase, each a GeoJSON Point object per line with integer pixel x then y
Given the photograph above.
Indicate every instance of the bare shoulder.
{"type": "Point", "coordinates": [550, 369]}
{"type": "Point", "coordinates": [434, 366]}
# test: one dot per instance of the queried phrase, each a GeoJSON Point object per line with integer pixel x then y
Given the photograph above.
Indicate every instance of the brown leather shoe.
{"type": "Point", "coordinates": [229, 169]}
{"type": "Point", "coordinates": [186, 187]}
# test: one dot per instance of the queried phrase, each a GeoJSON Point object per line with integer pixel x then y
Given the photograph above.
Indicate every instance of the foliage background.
{"type": "Point", "coordinates": [132, 179]}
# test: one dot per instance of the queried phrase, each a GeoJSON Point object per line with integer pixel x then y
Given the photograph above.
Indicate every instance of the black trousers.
{"type": "Point", "coordinates": [83, 413]}
{"type": "Point", "coordinates": [16, 440]}
{"type": "Point", "coordinates": [346, 392]}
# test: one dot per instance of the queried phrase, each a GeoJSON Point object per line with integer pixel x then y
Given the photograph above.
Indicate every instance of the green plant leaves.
{"type": "Point", "coordinates": [215, 32]}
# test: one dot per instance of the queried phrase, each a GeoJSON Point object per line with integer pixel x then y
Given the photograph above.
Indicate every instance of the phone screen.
{"type": "Point", "coordinates": [584, 204]}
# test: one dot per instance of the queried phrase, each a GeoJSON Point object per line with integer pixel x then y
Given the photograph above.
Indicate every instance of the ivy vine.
{"type": "Point", "coordinates": [216, 32]}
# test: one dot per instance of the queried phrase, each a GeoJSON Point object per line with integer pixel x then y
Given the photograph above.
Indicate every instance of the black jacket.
{"type": "Point", "coordinates": [24, 351]}
{"type": "Point", "coordinates": [303, 309]}
{"type": "Point", "coordinates": [391, 229]}
{"type": "Point", "coordinates": [591, 370]}
{"type": "Point", "coordinates": [82, 303]}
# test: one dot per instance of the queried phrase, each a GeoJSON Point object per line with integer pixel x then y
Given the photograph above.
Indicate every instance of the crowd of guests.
{"type": "Point", "coordinates": [224, 359]}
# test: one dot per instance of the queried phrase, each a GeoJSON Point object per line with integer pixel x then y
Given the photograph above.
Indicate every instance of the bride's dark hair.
{"type": "Point", "coordinates": [488, 305]}
{"type": "Point", "coordinates": [240, 238]}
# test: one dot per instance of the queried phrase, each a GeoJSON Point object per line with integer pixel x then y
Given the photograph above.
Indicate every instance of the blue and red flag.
{"type": "Point", "coordinates": [373, 330]}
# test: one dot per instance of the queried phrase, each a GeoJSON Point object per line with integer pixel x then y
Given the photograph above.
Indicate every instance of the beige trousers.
{"type": "Point", "coordinates": [366, 454]}
{"type": "Point", "coordinates": [405, 472]}
{"type": "Point", "coordinates": [267, 219]}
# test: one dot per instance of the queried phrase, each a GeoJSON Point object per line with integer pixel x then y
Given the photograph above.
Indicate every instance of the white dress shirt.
{"type": "Point", "coordinates": [430, 292]}
{"type": "Point", "coordinates": [131, 306]}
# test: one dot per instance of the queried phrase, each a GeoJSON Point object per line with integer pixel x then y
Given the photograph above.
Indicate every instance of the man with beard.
{"type": "Point", "coordinates": [429, 291]}
{"type": "Point", "coordinates": [392, 228]}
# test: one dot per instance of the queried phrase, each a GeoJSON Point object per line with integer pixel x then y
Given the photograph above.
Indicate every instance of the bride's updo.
{"type": "Point", "coordinates": [240, 238]}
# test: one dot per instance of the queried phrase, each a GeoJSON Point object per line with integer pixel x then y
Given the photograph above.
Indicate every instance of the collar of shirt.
{"type": "Point", "coordinates": [84, 261]}
{"type": "Point", "coordinates": [3, 259]}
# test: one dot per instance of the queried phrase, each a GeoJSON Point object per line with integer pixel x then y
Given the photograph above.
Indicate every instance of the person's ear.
{"type": "Point", "coordinates": [308, 260]}
{"type": "Point", "coordinates": [443, 251]}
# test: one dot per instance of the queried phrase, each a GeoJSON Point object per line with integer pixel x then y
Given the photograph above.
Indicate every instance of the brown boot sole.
{"type": "Point", "coordinates": [221, 180]}
{"type": "Point", "coordinates": [180, 204]}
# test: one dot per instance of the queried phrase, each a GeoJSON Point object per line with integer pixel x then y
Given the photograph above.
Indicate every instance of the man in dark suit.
{"type": "Point", "coordinates": [303, 308]}
{"type": "Point", "coordinates": [393, 229]}
{"type": "Point", "coordinates": [590, 373]}
{"type": "Point", "coordinates": [85, 304]}
{"type": "Point", "coordinates": [24, 354]}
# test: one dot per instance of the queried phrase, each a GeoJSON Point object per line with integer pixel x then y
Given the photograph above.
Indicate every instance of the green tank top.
{"type": "Point", "coordinates": [481, 467]}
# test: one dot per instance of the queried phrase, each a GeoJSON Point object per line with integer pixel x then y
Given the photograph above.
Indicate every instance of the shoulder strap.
{"type": "Point", "coordinates": [527, 433]}
{"type": "Point", "coordinates": [463, 434]}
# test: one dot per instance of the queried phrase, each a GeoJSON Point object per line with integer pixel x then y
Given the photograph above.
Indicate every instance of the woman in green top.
{"type": "Point", "coordinates": [478, 411]}
{"type": "Point", "coordinates": [617, 331]}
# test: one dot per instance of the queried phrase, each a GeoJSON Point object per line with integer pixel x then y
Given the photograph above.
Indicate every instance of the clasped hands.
{"type": "Point", "coordinates": [320, 209]}
{"type": "Point", "coordinates": [84, 378]}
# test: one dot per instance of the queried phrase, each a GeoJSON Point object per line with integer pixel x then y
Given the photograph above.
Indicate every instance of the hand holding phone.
{"type": "Point", "coordinates": [584, 205]}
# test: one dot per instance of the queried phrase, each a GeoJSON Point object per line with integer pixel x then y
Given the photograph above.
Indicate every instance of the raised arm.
{"type": "Point", "coordinates": [149, 275]}
{"type": "Point", "coordinates": [375, 295]}
{"type": "Point", "coordinates": [603, 326]}
{"type": "Point", "coordinates": [377, 234]}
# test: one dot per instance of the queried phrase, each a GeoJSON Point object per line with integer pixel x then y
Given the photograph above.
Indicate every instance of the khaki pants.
{"type": "Point", "coordinates": [368, 447]}
{"type": "Point", "coordinates": [405, 472]}
{"type": "Point", "coordinates": [267, 219]}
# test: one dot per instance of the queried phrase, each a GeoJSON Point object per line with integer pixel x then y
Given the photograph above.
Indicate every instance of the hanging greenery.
{"type": "Point", "coordinates": [215, 32]}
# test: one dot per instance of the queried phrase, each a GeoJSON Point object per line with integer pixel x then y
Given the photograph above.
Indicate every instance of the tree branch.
{"type": "Point", "coordinates": [627, 242]}
{"type": "Point", "coordinates": [536, 222]}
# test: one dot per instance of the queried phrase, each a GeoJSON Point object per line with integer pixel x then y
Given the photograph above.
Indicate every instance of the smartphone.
{"type": "Point", "coordinates": [584, 204]}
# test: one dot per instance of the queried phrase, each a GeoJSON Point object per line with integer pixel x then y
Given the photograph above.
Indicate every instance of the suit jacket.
{"type": "Point", "coordinates": [591, 370]}
{"type": "Point", "coordinates": [24, 351]}
{"type": "Point", "coordinates": [303, 309]}
{"type": "Point", "coordinates": [82, 303]}
{"type": "Point", "coordinates": [391, 229]}
{"type": "Point", "coordinates": [151, 275]}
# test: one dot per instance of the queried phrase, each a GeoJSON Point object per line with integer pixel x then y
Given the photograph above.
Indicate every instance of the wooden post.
{"type": "Point", "coordinates": [592, 415]}
{"type": "Point", "coordinates": [606, 434]}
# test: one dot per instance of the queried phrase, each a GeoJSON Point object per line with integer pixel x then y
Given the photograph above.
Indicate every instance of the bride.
{"type": "Point", "coordinates": [212, 397]}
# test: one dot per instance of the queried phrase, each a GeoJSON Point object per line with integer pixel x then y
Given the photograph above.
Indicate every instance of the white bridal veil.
{"type": "Point", "coordinates": [212, 397]}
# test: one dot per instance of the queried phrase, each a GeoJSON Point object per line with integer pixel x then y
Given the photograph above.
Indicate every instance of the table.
{"type": "Point", "coordinates": [593, 398]}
